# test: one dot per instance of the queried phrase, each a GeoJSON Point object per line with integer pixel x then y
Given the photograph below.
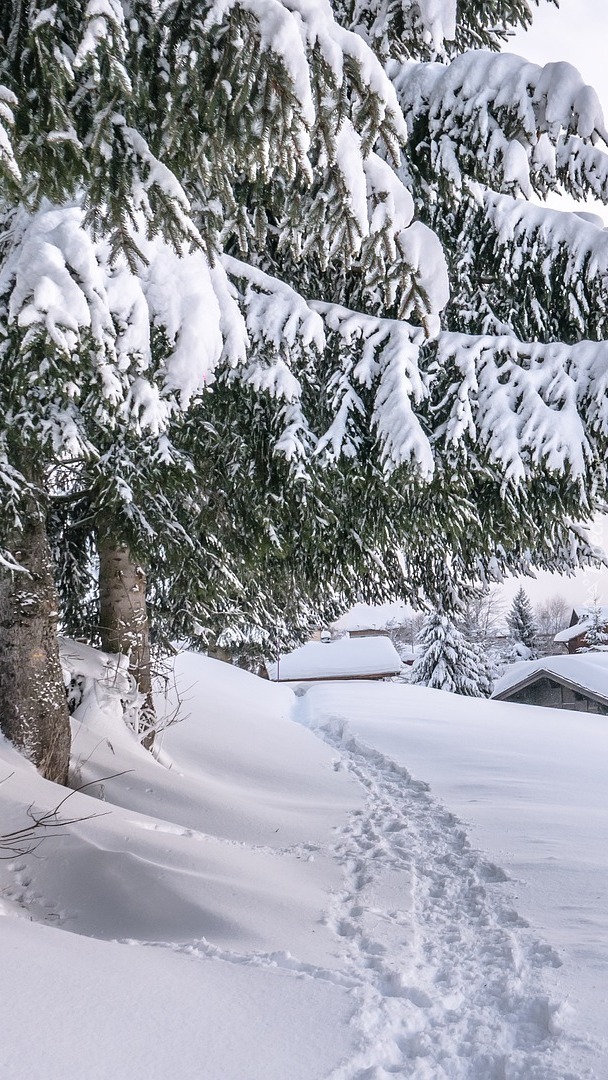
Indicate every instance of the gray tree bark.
{"type": "Point", "coordinates": [218, 652]}
{"type": "Point", "coordinates": [124, 618]}
{"type": "Point", "coordinates": [33, 707]}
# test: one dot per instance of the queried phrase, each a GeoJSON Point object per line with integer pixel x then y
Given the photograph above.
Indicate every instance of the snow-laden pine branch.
{"type": "Point", "coordinates": [503, 121]}
{"type": "Point", "coordinates": [382, 357]}
{"type": "Point", "coordinates": [555, 261]}
{"type": "Point", "coordinates": [291, 30]}
{"type": "Point", "coordinates": [67, 302]}
{"type": "Point", "coordinates": [529, 407]}
{"type": "Point", "coordinates": [8, 163]}
{"type": "Point", "coordinates": [582, 168]}
{"type": "Point", "coordinates": [536, 234]}
{"type": "Point", "coordinates": [430, 28]}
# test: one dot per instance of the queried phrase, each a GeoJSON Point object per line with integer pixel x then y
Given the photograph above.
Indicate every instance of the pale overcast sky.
{"type": "Point", "coordinates": [577, 31]}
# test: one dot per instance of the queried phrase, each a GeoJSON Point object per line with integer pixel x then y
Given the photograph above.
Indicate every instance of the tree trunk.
{"type": "Point", "coordinates": [218, 652]}
{"type": "Point", "coordinates": [33, 706]}
{"type": "Point", "coordinates": [124, 619]}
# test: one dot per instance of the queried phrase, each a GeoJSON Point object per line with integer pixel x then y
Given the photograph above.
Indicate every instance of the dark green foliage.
{"type": "Point", "coordinates": [402, 28]}
{"type": "Point", "coordinates": [521, 621]}
{"type": "Point", "coordinates": [194, 129]}
{"type": "Point", "coordinates": [447, 661]}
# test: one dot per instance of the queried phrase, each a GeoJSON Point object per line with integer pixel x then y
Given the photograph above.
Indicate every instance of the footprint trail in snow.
{"type": "Point", "coordinates": [440, 977]}
{"type": "Point", "coordinates": [448, 979]}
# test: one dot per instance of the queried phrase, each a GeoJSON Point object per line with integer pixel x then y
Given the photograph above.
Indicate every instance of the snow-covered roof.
{"type": "Point", "coordinates": [585, 671]}
{"type": "Point", "coordinates": [572, 632]}
{"type": "Point", "coordinates": [347, 658]}
{"type": "Point", "coordinates": [582, 625]}
{"type": "Point", "coordinates": [373, 617]}
{"type": "Point", "coordinates": [406, 652]}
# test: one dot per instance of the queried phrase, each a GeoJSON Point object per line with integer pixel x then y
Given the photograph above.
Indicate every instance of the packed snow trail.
{"type": "Point", "coordinates": [274, 879]}
{"type": "Point", "coordinates": [451, 978]}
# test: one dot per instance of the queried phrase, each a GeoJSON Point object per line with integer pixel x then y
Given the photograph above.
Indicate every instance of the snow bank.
{"type": "Point", "coordinates": [265, 904]}
{"type": "Point", "coordinates": [212, 871]}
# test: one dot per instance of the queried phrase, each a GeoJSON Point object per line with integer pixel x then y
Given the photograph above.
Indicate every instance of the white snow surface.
{"type": "Point", "coordinates": [572, 632]}
{"type": "Point", "coordinates": [281, 897]}
{"type": "Point", "coordinates": [344, 658]}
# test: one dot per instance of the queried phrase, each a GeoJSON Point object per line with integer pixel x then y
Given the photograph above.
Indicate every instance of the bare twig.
{"type": "Point", "coordinates": [27, 839]}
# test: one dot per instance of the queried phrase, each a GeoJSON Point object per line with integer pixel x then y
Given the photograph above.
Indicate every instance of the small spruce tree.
{"type": "Point", "coordinates": [448, 661]}
{"type": "Point", "coordinates": [522, 624]}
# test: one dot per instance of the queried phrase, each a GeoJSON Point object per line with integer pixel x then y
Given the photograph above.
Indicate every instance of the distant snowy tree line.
{"type": "Point", "coordinates": [466, 654]}
{"type": "Point", "coordinates": [268, 278]}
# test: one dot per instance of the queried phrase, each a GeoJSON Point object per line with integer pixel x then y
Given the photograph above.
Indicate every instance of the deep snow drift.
{"type": "Point", "coordinates": [272, 902]}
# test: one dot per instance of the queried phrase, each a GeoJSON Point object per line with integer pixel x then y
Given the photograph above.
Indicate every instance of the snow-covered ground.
{"type": "Point", "coordinates": [363, 882]}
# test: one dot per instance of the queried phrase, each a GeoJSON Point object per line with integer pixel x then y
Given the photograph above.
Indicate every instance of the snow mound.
{"type": "Point", "coordinates": [264, 880]}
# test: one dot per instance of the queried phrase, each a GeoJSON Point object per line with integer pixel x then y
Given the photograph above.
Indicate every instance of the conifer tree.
{"type": "Point", "coordinates": [447, 661]}
{"type": "Point", "coordinates": [205, 192]}
{"type": "Point", "coordinates": [521, 622]}
{"type": "Point", "coordinates": [117, 114]}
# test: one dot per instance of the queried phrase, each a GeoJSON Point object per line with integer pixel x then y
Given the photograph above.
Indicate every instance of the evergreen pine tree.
{"type": "Point", "coordinates": [521, 622]}
{"type": "Point", "coordinates": [193, 194]}
{"type": "Point", "coordinates": [447, 661]}
{"type": "Point", "coordinates": [116, 115]}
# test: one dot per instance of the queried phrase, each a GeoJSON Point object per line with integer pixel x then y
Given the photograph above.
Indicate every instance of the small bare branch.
{"type": "Point", "coordinates": [26, 840]}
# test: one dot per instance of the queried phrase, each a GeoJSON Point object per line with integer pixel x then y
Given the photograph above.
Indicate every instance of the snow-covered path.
{"type": "Point", "coordinates": [303, 908]}
{"type": "Point", "coordinates": [450, 977]}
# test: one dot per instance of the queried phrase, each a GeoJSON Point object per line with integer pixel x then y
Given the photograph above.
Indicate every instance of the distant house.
{"type": "Point", "coordinates": [392, 621]}
{"type": "Point", "coordinates": [577, 682]}
{"type": "Point", "coordinates": [371, 620]}
{"type": "Point", "coordinates": [346, 658]}
{"type": "Point", "coordinates": [573, 637]}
